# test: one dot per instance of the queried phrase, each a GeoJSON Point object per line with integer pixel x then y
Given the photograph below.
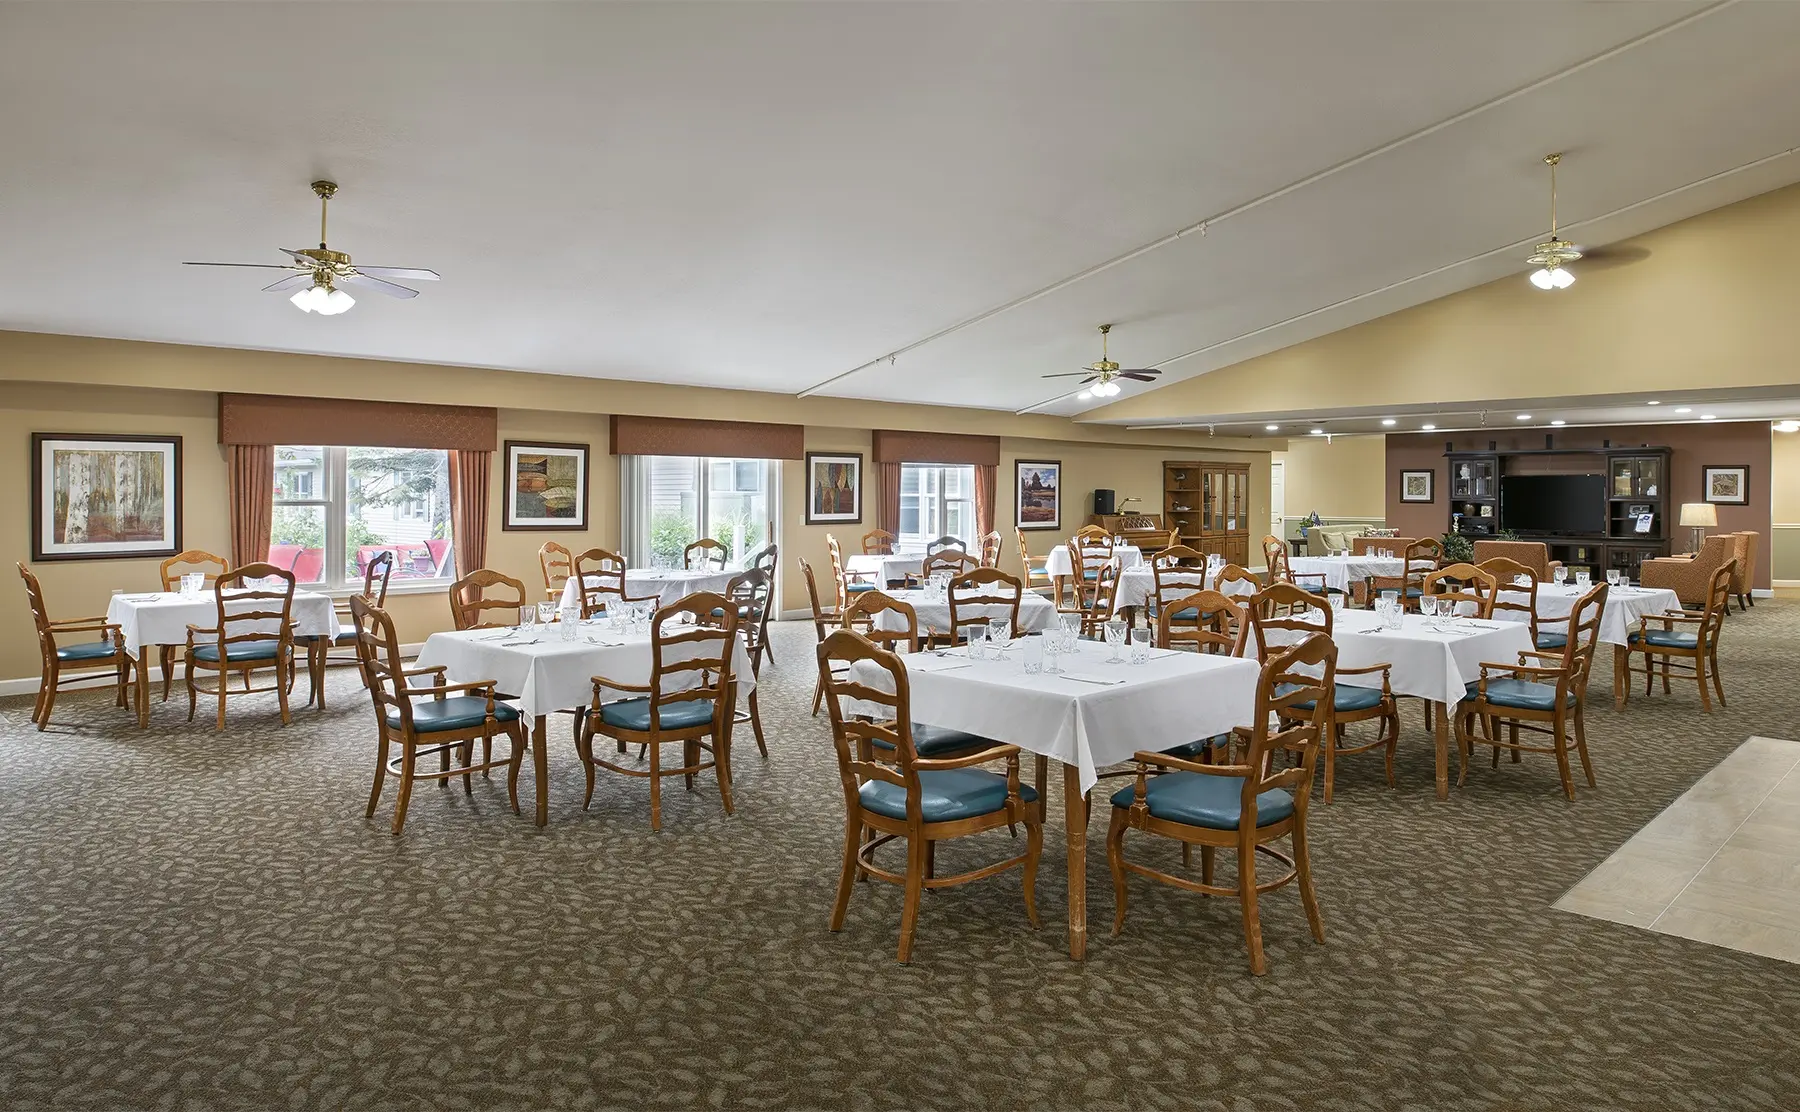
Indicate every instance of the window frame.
{"type": "Point", "coordinates": [635, 494]}
{"type": "Point", "coordinates": [932, 493]}
{"type": "Point", "coordinates": [335, 505]}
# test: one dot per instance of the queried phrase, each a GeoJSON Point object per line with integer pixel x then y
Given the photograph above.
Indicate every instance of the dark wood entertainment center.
{"type": "Point", "coordinates": [1636, 481]}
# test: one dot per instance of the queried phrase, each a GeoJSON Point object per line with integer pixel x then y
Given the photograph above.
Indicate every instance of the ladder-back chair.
{"type": "Point", "coordinates": [60, 649]}
{"type": "Point", "coordinates": [484, 591]}
{"type": "Point", "coordinates": [242, 642]}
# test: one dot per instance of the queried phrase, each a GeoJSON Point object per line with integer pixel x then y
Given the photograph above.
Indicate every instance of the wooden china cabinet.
{"type": "Point", "coordinates": [1209, 503]}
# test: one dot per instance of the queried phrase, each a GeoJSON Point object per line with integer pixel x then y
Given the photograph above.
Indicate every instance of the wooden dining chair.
{"type": "Point", "coordinates": [764, 559]}
{"type": "Point", "coordinates": [59, 648]}
{"type": "Point", "coordinates": [1088, 553]}
{"type": "Point", "coordinates": [1175, 572]}
{"type": "Point", "coordinates": [1282, 614]}
{"type": "Point", "coordinates": [1204, 621]}
{"type": "Point", "coordinates": [866, 616]}
{"type": "Point", "coordinates": [1230, 575]}
{"type": "Point", "coordinates": [1693, 651]}
{"type": "Point", "coordinates": [483, 590]}
{"type": "Point", "coordinates": [601, 575]}
{"type": "Point", "coordinates": [192, 561]}
{"type": "Point", "coordinates": [374, 591]}
{"type": "Point", "coordinates": [1101, 604]}
{"type": "Point", "coordinates": [932, 548]}
{"type": "Point", "coordinates": [690, 700]}
{"type": "Point", "coordinates": [1036, 578]}
{"type": "Point", "coordinates": [705, 554]}
{"type": "Point", "coordinates": [1517, 593]}
{"type": "Point", "coordinates": [557, 564]}
{"type": "Point", "coordinates": [1463, 584]}
{"type": "Point", "coordinates": [749, 591]}
{"type": "Point", "coordinates": [1546, 698]}
{"type": "Point", "coordinates": [878, 542]}
{"type": "Point", "coordinates": [824, 618]}
{"type": "Point", "coordinates": [979, 594]}
{"type": "Point", "coordinates": [241, 643]}
{"type": "Point", "coordinates": [1246, 806]}
{"type": "Point", "coordinates": [1418, 559]}
{"type": "Point", "coordinates": [991, 545]}
{"type": "Point", "coordinates": [847, 583]}
{"type": "Point", "coordinates": [894, 791]}
{"type": "Point", "coordinates": [435, 720]}
{"type": "Point", "coordinates": [953, 561]}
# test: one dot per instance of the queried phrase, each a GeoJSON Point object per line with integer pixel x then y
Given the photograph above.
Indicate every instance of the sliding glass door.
{"type": "Point", "coordinates": [672, 501]}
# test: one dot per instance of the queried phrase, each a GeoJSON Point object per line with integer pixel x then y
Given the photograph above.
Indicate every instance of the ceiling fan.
{"type": "Point", "coordinates": [1102, 373]}
{"type": "Point", "coordinates": [317, 273]}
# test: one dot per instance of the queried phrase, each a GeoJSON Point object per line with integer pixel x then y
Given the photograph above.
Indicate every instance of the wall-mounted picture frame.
{"type": "Point", "coordinates": [834, 488]}
{"type": "Point", "coordinates": [104, 496]}
{"type": "Point", "coordinates": [1418, 486]}
{"type": "Point", "coordinates": [546, 486]}
{"type": "Point", "coordinates": [1037, 493]}
{"type": "Point", "coordinates": [1726, 486]}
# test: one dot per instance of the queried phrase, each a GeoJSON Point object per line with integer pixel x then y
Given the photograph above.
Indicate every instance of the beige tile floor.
{"type": "Point", "coordinates": [1720, 865]}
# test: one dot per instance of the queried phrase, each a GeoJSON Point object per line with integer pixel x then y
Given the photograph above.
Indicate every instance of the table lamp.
{"type": "Point", "coordinates": [1699, 516]}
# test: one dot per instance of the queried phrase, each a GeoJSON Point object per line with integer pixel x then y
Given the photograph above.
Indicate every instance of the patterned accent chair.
{"type": "Point", "coordinates": [1533, 554]}
{"type": "Point", "coordinates": [1743, 577]}
{"type": "Point", "coordinates": [1690, 577]}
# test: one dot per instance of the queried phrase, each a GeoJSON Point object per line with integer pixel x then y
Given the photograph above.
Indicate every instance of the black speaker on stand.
{"type": "Point", "coordinates": [1103, 503]}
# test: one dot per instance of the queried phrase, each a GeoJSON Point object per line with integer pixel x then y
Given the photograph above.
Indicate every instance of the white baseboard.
{"type": "Point", "coordinates": [91, 681]}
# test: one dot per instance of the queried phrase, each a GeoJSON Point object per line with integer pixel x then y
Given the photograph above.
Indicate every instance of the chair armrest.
{"type": "Point", "coordinates": [1515, 669]}
{"type": "Point", "coordinates": [84, 625]}
{"type": "Point", "coordinates": [439, 670]}
{"type": "Point", "coordinates": [201, 629]}
{"type": "Point", "coordinates": [58, 623]}
{"type": "Point", "coordinates": [1523, 653]}
{"type": "Point", "coordinates": [1163, 760]}
{"type": "Point", "coordinates": [601, 682]}
{"type": "Point", "coordinates": [442, 689]}
{"type": "Point", "coordinates": [941, 764]}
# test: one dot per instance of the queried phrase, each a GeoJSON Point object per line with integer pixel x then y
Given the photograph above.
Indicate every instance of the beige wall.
{"type": "Point", "coordinates": [1340, 478]}
{"type": "Point", "coordinates": [1711, 304]}
{"type": "Point", "coordinates": [1784, 495]}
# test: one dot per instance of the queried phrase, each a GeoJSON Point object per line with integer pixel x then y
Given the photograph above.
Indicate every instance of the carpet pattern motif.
{"type": "Point", "coordinates": [201, 921]}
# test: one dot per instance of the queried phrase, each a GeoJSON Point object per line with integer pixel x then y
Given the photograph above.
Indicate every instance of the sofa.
{"type": "Point", "coordinates": [1690, 576]}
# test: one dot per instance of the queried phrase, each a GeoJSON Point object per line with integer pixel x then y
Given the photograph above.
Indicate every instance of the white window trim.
{"type": "Point", "coordinates": [926, 536]}
{"type": "Point", "coordinates": [336, 505]}
{"type": "Point", "coordinates": [634, 503]}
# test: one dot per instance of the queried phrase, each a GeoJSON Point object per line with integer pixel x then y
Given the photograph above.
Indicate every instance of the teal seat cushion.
{"type": "Point", "coordinates": [1551, 640]}
{"type": "Point", "coordinates": [935, 741]}
{"type": "Point", "coordinates": [90, 650]}
{"type": "Point", "coordinates": [945, 796]}
{"type": "Point", "coordinates": [1201, 799]}
{"type": "Point", "coordinates": [1343, 697]}
{"type": "Point", "coordinates": [858, 588]}
{"type": "Point", "coordinates": [1194, 750]}
{"type": "Point", "coordinates": [634, 714]}
{"type": "Point", "coordinates": [1190, 614]}
{"type": "Point", "coordinates": [1668, 639]}
{"type": "Point", "coordinates": [241, 650]}
{"type": "Point", "coordinates": [1521, 694]}
{"type": "Point", "coordinates": [458, 712]}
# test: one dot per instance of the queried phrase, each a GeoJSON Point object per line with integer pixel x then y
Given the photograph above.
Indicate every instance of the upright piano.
{"type": "Point", "coordinates": [1146, 531]}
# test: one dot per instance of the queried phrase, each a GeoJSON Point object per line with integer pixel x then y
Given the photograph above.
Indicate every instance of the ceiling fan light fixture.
{"type": "Point", "coordinates": [1084, 395]}
{"type": "Point", "coordinates": [323, 299]}
{"type": "Point", "coordinates": [1550, 255]}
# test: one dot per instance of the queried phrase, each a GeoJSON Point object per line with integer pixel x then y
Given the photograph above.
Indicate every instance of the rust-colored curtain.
{"type": "Point", "coordinates": [888, 513]}
{"type": "Point", "coordinates": [250, 470]}
{"type": "Point", "coordinates": [469, 473]}
{"type": "Point", "coordinates": [986, 475]}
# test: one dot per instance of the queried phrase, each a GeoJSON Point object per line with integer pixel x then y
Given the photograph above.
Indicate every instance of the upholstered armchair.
{"type": "Point", "coordinates": [1743, 577]}
{"type": "Point", "coordinates": [1690, 576]}
{"type": "Point", "coordinates": [1533, 554]}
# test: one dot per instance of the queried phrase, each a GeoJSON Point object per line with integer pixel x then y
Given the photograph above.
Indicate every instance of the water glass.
{"type": "Point", "coordinates": [1032, 655]}
{"type": "Point", "coordinates": [1612, 576]}
{"type": "Point", "coordinates": [1337, 603]}
{"type": "Point", "coordinates": [999, 633]}
{"type": "Point", "coordinates": [1053, 650]}
{"type": "Point", "coordinates": [1071, 629]}
{"type": "Point", "coordinates": [1582, 579]}
{"type": "Point", "coordinates": [191, 584]}
{"type": "Point", "coordinates": [546, 612]}
{"type": "Point", "coordinates": [571, 622]}
{"type": "Point", "coordinates": [1561, 574]}
{"type": "Point", "coordinates": [977, 642]}
{"type": "Point", "coordinates": [528, 616]}
{"type": "Point", "coordinates": [1428, 606]}
{"type": "Point", "coordinates": [1140, 646]}
{"type": "Point", "coordinates": [1116, 632]}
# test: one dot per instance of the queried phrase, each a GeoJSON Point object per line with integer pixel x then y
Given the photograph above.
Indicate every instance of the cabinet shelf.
{"type": "Point", "coordinates": [1215, 506]}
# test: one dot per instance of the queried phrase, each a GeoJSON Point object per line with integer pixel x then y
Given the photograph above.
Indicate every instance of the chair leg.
{"type": "Point", "coordinates": [1115, 860]}
{"type": "Point", "coordinates": [722, 765]}
{"type": "Point", "coordinates": [756, 725]}
{"type": "Point", "coordinates": [656, 787]}
{"type": "Point", "coordinates": [690, 756]}
{"type": "Point", "coordinates": [406, 785]}
{"type": "Point", "coordinates": [1587, 766]}
{"type": "Point", "coordinates": [468, 756]}
{"type": "Point", "coordinates": [517, 734]}
{"type": "Point", "coordinates": [167, 659]}
{"type": "Point", "coordinates": [1560, 739]}
{"type": "Point", "coordinates": [1621, 677]}
{"type": "Point", "coordinates": [1303, 876]}
{"type": "Point", "coordinates": [584, 748]}
{"type": "Point", "coordinates": [381, 760]}
{"type": "Point", "coordinates": [1247, 902]}
{"type": "Point", "coordinates": [818, 696]}
{"type": "Point", "coordinates": [848, 872]}
{"type": "Point", "coordinates": [1034, 846]}
{"type": "Point", "coordinates": [1393, 743]}
{"type": "Point", "coordinates": [47, 699]}
{"type": "Point", "coordinates": [1700, 678]}
{"type": "Point", "coordinates": [1718, 687]}
{"type": "Point", "coordinates": [1208, 856]}
{"type": "Point", "coordinates": [224, 685]}
{"type": "Point", "coordinates": [187, 676]}
{"type": "Point", "coordinates": [1331, 747]}
{"type": "Point", "coordinates": [37, 704]}
{"type": "Point", "coordinates": [915, 884]}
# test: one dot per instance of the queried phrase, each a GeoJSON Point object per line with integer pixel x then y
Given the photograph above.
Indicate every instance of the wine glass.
{"type": "Point", "coordinates": [1561, 575]}
{"type": "Point", "coordinates": [1115, 637]}
{"type": "Point", "coordinates": [999, 633]}
{"type": "Point", "coordinates": [1053, 647]}
{"type": "Point", "coordinates": [1612, 577]}
{"type": "Point", "coordinates": [1428, 605]}
{"type": "Point", "coordinates": [546, 612]}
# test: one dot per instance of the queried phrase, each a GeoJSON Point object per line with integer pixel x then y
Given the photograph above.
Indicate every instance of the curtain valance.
{"type": "Point", "coordinates": [890, 446]}
{"type": "Point", "coordinates": [683, 436]}
{"type": "Point", "coordinates": [280, 419]}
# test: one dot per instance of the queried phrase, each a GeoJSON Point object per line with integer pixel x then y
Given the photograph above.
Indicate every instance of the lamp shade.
{"type": "Point", "coordinates": [1699, 515]}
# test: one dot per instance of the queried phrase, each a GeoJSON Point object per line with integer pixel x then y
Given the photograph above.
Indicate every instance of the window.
{"type": "Point", "coordinates": [936, 500]}
{"type": "Point", "coordinates": [338, 508]}
{"type": "Point", "coordinates": [673, 501]}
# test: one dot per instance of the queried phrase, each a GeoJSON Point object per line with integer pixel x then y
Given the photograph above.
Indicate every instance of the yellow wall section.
{"type": "Point", "coordinates": [1340, 479]}
{"type": "Point", "coordinates": [1711, 305]}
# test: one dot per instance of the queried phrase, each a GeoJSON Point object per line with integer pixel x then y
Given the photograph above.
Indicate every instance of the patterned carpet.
{"type": "Point", "coordinates": [190, 921]}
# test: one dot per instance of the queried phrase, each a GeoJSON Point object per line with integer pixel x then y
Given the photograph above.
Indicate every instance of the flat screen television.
{"type": "Point", "coordinates": [1553, 504]}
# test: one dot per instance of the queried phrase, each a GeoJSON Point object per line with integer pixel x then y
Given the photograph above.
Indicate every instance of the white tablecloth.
{"type": "Point", "coordinates": [554, 674]}
{"type": "Point", "coordinates": [1618, 618]}
{"type": "Point", "coordinates": [1427, 663]}
{"type": "Point", "coordinates": [887, 569]}
{"type": "Point", "coordinates": [1035, 613]}
{"type": "Point", "coordinates": [1057, 561]}
{"type": "Point", "coordinates": [162, 618]}
{"type": "Point", "coordinates": [667, 584]}
{"type": "Point", "coordinates": [1138, 585]}
{"type": "Point", "coordinates": [1171, 699]}
{"type": "Point", "coordinates": [1341, 571]}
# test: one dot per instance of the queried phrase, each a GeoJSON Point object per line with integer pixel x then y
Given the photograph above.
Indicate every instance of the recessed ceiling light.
{"type": "Point", "coordinates": [1709, 416]}
{"type": "Point", "coordinates": [1524, 416]}
{"type": "Point", "coordinates": [1428, 426]}
{"type": "Point", "coordinates": [1652, 403]}
{"type": "Point", "coordinates": [1271, 428]}
{"type": "Point", "coordinates": [1684, 409]}
{"type": "Point", "coordinates": [1787, 426]}
{"type": "Point", "coordinates": [1318, 432]}
{"type": "Point", "coordinates": [1559, 422]}
{"type": "Point", "coordinates": [1387, 421]}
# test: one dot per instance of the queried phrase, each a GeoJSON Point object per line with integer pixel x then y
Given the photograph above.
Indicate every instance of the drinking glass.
{"type": "Point", "coordinates": [1337, 603]}
{"type": "Point", "coordinates": [1612, 576]}
{"type": "Point", "coordinates": [1032, 655]}
{"type": "Point", "coordinates": [571, 622]}
{"type": "Point", "coordinates": [1391, 597]}
{"type": "Point", "coordinates": [546, 612]}
{"type": "Point", "coordinates": [1140, 646]}
{"type": "Point", "coordinates": [999, 632]}
{"type": "Point", "coordinates": [528, 616]}
{"type": "Point", "coordinates": [977, 642]}
{"type": "Point", "coordinates": [1561, 574]}
{"type": "Point", "coordinates": [1053, 647]}
{"type": "Point", "coordinates": [1582, 579]}
{"type": "Point", "coordinates": [1395, 617]}
{"type": "Point", "coordinates": [1118, 540]}
{"type": "Point", "coordinates": [1428, 606]}
{"type": "Point", "coordinates": [1115, 637]}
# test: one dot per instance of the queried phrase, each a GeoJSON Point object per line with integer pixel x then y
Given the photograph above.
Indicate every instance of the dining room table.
{"type": "Point", "coordinates": [1137, 586]}
{"type": "Point", "coordinates": [1097, 712]}
{"type": "Point", "coordinates": [151, 619]}
{"type": "Point", "coordinates": [932, 612]}
{"type": "Point", "coordinates": [664, 585]}
{"type": "Point", "coordinates": [884, 568]}
{"type": "Point", "coordinates": [1618, 618]}
{"type": "Point", "coordinates": [540, 671]}
{"type": "Point", "coordinates": [1059, 565]}
{"type": "Point", "coordinates": [1340, 573]}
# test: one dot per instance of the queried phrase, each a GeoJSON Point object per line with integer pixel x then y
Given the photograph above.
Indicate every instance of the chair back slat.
{"type": "Point", "coordinates": [952, 560]}
{"type": "Point", "coordinates": [1516, 588]}
{"type": "Point", "coordinates": [932, 548]}
{"type": "Point", "coordinates": [990, 549]}
{"type": "Point", "coordinates": [1230, 574]}
{"type": "Point", "coordinates": [470, 599]}
{"type": "Point", "coordinates": [1282, 615]}
{"type": "Point", "coordinates": [1219, 624]}
{"type": "Point", "coordinates": [1176, 571]}
{"type": "Point", "coordinates": [601, 576]}
{"type": "Point", "coordinates": [980, 594]}
{"type": "Point", "coordinates": [253, 608]}
{"type": "Point", "coordinates": [878, 542]}
{"type": "Point", "coordinates": [557, 563]}
{"type": "Point", "coordinates": [865, 612]}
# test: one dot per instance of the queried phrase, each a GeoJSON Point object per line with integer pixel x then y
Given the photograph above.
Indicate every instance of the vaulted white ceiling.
{"type": "Point", "coordinates": [773, 196]}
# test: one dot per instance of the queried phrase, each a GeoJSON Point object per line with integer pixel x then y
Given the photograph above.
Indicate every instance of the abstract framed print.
{"type": "Point", "coordinates": [834, 488]}
{"type": "Point", "coordinates": [102, 496]}
{"type": "Point", "coordinates": [546, 486]}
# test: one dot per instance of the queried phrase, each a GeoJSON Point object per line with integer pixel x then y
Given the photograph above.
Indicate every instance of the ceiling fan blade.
{"type": "Point", "coordinates": [1069, 374]}
{"type": "Point", "coordinates": [1141, 376]}
{"type": "Point", "coordinates": [252, 266]}
{"type": "Point", "coordinates": [411, 274]}
{"type": "Point", "coordinates": [378, 285]}
{"type": "Point", "coordinates": [291, 282]}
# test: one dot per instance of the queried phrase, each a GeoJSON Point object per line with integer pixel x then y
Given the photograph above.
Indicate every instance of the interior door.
{"type": "Point", "coordinates": [1277, 498]}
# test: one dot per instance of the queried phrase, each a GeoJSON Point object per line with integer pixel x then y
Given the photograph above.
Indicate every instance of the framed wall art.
{"type": "Point", "coordinates": [546, 486]}
{"type": "Point", "coordinates": [1037, 493]}
{"type": "Point", "coordinates": [1417, 486]}
{"type": "Point", "coordinates": [834, 488]}
{"type": "Point", "coordinates": [1727, 486]}
{"type": "Point", "coordinates": [101, 496]}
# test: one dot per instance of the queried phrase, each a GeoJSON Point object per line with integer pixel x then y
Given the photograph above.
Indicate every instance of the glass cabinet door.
{"type": "Point", "coordinates": [1483, 479]}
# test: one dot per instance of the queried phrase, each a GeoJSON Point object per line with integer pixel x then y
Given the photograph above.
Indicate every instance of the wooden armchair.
{"type": "Point", "coordinates": [990, 549]}
{"type": "Point", "coordinates": [106, 649]}
{"type": "Point", "coordinates": [1175, 572]}
{"type": "Point", "coordinates": [932, 548]}
{"type": "Point", "coordinates": [601, 578]}
{"type": "Point", "coordinates": [905, 795]}
{"type": "Point", "coordinates": [1246, 807]}
{"type": "Point", "coordinates": [1690, 577]}
{"type": "Point", "coordinates": [376, 574]}
{"type": "Point", "coordinates": [1419, 558]}
{"type": "Point", "coordinates": [894, 625]}
{"type": "Point", "coordinates": [980, 594]}
{"type": "Point", "coordinates": [432, 721]}
{"type": "Point", "coordinates": [705, 554]}
{"type": "Point", "coordinates": [1743, 576]}
{"type": "Point", "coordinates": [1233, 580]}
{"type": "Point", "coordinates": [557, 564]}
{"type": "Point", "coordinates": [750, 592]}
{"type": "Point", "coordinates": [878, 542]}
{"type": "Point", "coordinates": [1463, 584]}
{"type": "Point", "coordinates": [193, 561]}
{"type": "Point", "coordinates": [1533, 554]}
{"type": "Point", "coordinates": [470, 601]}
{"type": "Point", "coordinates": [1546, 698]}
{"type": "Point", "coordinates": [953, 561]}
{"type": "Point", "coordinates": [242, 643]}
{"type": "Point", "coordinates": [690, 700]}
{"type": "Point", "coordinates": [1693, 651]}
{"type": "Point", "coordinates": [1036, 578]}
{"type": "Point", "coordinates": [1517, 592]}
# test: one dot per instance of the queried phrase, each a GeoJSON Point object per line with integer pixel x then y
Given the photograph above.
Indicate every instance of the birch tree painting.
{"type": "Point", "coordinates": [105, 496]}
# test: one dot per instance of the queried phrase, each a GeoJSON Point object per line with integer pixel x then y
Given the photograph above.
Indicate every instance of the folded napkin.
{"type": "Point", "coordinates": [1083, 677]}
{"type": "Point", "coordinates": [925, 662]}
